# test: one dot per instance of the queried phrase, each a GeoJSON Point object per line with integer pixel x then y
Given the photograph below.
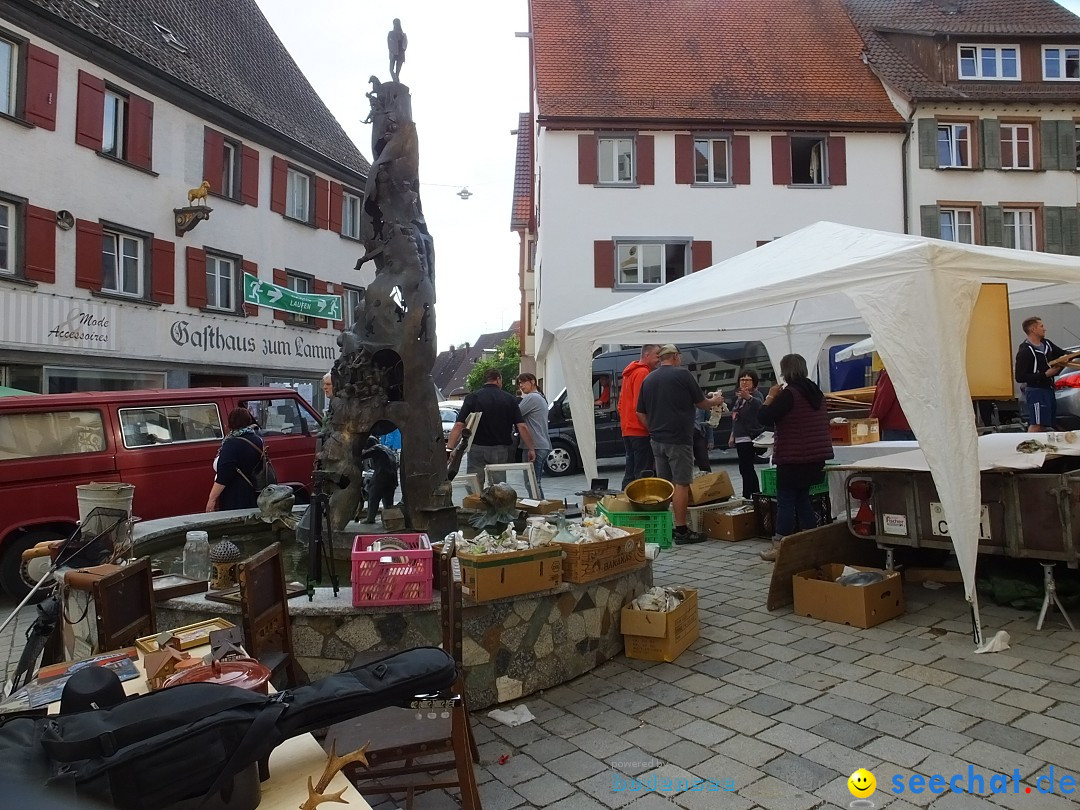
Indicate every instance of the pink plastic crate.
{"type": "Point", "coordinates": [391, 577]}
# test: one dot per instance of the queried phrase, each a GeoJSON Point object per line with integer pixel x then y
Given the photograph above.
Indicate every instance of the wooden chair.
{"type": "Point", "coordinates": [124, 606]}
{"type": "Point", "coordinates": [264, 613]}
{"type": "Point", "coordinates": [410, 736]}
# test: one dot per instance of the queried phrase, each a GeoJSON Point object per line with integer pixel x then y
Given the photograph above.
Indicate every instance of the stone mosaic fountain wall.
{"type": "Point", "coordinates": [510, 648]}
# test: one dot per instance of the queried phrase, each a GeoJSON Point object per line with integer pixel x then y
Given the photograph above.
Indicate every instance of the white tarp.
{"type": "Point", "coordinates": [913, 295]}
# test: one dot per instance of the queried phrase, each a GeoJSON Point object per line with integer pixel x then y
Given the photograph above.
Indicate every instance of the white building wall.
{"type": "Point", "coordinates": [52, 171]}
{"type": "Point", "coordinates": [734, 219]}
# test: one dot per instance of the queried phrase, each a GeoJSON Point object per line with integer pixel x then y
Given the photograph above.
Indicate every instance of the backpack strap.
{"type": "Point", "coordinates": [263, 458]}
{"type": "Point", "coordinates": [259, 739]}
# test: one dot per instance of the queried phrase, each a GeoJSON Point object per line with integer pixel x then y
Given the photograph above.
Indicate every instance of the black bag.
{"type": "Point", "coordinates": [264, 475]}
{"type": "Point", "coordinates": [185, 745]}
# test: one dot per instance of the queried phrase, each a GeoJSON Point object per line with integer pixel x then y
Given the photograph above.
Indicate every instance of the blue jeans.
{"type": "Point", "coordinates": [538, 469]}
{"type": "Point", "coordinates": [639, 456]}
{"type": "Point", "coordinates": [793, 507]}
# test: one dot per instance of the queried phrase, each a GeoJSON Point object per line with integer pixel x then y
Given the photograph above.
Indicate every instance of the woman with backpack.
{"type": "Point", "coordinates": [239, 460]}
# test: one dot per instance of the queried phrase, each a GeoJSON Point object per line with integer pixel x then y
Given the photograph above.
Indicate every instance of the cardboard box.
{"type": "Point", "coordinates": [617, 503]}
{"type": "Point", "coordinates": [819, 596]}
{"type": "Point", "coordinates": [855, 431]}
{"type": "Point", "coordinates": [586, 562]}
{"type": "Point", "coordinates": [710, 487]}
{"type": "Point", "coordinates": [737, 522]}
{"type": "Point", "coordinates": [652, 636]}
{"type": "Point", "coordinates": [495, 576]}
{"type": "Point", "coordinates": [534, 507]}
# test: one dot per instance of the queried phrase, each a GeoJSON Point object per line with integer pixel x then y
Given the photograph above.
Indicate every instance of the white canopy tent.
{"type": "Point", "coordinates": [913, 295]}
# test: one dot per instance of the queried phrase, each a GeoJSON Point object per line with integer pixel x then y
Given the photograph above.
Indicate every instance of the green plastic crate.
{"type": "Point", "coordinates": [658, 526]}
{"type": "Point", "coordinates": [768, 482]}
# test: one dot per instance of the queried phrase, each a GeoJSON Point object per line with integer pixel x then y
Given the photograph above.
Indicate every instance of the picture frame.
{"type": "Point", "coordinates": [169, 586]}
{"type": "Point", "coordinates": [231, 596]}
{"type": "Point", "coordinates": [190, 635]}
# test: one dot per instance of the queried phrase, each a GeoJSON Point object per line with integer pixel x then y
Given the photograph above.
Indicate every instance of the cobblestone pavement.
{"type": "Point", "coordinates": [778, 710]}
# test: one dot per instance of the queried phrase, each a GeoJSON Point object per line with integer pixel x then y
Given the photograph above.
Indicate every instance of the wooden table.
{"type": "Point", "coordinates": [291, 763]}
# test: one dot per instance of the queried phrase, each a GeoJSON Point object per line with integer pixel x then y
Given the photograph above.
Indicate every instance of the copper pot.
{"type": "Point", "coordinates": [245, 673]}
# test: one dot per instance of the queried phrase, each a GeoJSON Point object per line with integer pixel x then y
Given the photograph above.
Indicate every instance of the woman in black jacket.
{"type": "Point", "coordinates": [239, 459]}
{"type": "Point", "coordinates": [745, 427]}
{"type": "Point", "coordinates": [802, 445]}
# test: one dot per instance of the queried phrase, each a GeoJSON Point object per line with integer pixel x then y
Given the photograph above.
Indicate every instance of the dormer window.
{"type": "Point", "coordinates": [1061, 63]}
{"type": "Point", "coordinates": [988, 62]}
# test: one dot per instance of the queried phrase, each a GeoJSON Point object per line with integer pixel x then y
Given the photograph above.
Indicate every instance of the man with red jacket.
{"type": "Point", "coordinates": [886, 409]}
{"type": "Point", "coordinates": [635, 435]}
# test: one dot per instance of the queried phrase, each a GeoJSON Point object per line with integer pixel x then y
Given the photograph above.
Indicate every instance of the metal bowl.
{"type": "Point", "coordinates": [650, 494]}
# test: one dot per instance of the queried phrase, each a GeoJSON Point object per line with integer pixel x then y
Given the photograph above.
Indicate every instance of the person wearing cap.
{"type": "Point", "coordinates": [667, 406]}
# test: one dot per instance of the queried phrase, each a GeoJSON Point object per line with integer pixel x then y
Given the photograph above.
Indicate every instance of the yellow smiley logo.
{"type": "Point", "coordinates": [862, 784]}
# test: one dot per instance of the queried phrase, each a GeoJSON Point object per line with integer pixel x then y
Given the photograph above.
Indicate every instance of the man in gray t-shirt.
{"type": "Point", "coordinates": [534, 410]}
{"type": "Point", "coordinates": [666, 406]}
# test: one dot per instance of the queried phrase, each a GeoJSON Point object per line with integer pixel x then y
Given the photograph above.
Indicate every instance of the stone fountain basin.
{"type": "Point", "coordinates": [511, 647]}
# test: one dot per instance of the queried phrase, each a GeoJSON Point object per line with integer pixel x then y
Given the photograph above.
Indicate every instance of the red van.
{"type": "Point", "coordinates": [162, 441]}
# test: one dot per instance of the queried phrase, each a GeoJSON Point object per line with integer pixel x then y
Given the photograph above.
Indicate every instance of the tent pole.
{"type": "Point", "coordinates": [976, 621]}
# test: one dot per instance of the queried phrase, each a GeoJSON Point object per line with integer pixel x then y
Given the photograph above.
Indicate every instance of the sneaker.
{"type": "Point", "coordinates": [688, 539]}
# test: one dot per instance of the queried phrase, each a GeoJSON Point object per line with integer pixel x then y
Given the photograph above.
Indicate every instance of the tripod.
{"type": "Point", "coordinates": [318, 550]}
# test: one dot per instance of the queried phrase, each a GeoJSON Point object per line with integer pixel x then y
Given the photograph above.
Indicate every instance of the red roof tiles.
{"type": "Point", "coordinates": [708, 61]}
{"type": "Point", "coordinates": [521, 209]}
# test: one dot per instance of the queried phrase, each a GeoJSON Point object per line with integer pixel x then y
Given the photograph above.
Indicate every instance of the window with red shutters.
{"type": "Point", "coordinates": [604, 263]}
{"type": "Point", "coordinates": [251, 269]}
{"type": "Point", "coordinates": [249, 177]}
{"type": "Point", "coordinates": [684, 159]}
{"type": "Point", "coordinates": [90, 111]}
{"type": "Point", "coordinates": [40, 244]}
{"type": "Point", "coordinates": [88, 237]}
{"type": "Point", "coordinates": [163, 271]}
{"type": "Point", "coordinates": [837, 161]}
{"type": "Point", "coordinates": [279, 179]}
{"type": "Point", "coordinates": [781, 160]}
{"type": "Point", "coordinates": [322, 203]}
{"type": "Point", "coordinates": [281, 278]}
{"type": "Point", "coordinates": [140, 132]}
{"type": "Point", "coordinates": [196, 277]}
{"type": "Point", "coordinates": [336, 195]}
{"type": "Point", "coordinates": [701, 254]}
{"type": "Point", "coordinates": [646, 169]}
{"type": "Point", "coordinates": [740, 160]}
{"type": "Point", "coordinates": [586, 156]}
{"type": "Point", "coordinates": [214, 159]}
{"type": "Point", "coordinates": [39, 104]}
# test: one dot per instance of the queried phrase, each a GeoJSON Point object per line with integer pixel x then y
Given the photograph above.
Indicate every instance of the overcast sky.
{"type": "Point", "coordinates": [468, 75]}
{"type": "Point", "coordinates": [469, 79]}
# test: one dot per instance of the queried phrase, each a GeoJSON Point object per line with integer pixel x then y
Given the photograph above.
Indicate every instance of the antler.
{"type": "Point", "coordinates": [315, 798]}
{"type": "Point", "coordinates": [334, 763]}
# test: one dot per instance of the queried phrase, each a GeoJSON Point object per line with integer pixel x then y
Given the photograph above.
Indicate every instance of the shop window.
{"type": "Point", "coordinates": [56, 433]}
{"type": "Point", "coordinates": [174, 424]}
{"type": "Point", "coordinates": [59, 380]}
{"type": "Point", "coordinates": [350, 215]}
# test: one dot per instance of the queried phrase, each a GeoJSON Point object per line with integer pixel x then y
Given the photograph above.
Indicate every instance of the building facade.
{"type": "Point", "coordinates": [114, 114]}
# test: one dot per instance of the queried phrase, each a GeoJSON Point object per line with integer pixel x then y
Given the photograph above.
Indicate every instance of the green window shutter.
{"type": "Point", "coordinates": [928, 143]}
{"type": "Point", "coordinates": [990, 145]}
{"type": "Point", "coordinates": [1066, 139]}
{"type": "Point", "coordinates": [1070, 229]}
{"type": "Point", "coordinates": [1050, 150]}
{"type": "Point", "coordinates": [993, 226]}
{"type": "Point", "coordinates": [1052, 229]}
{"type": "Point", "coordinates": [931, 221]}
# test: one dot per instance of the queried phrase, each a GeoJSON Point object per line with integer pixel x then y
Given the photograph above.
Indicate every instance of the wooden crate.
{"type": "Point", "coordinates": [586, 562]}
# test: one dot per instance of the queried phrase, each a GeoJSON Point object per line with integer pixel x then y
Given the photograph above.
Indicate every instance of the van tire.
{"type": "Point", "coordinates": [561, 460]}
{"type": "Point", "coordinates": [13, 574]}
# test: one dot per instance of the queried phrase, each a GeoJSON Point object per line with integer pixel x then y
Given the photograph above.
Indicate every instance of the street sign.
{"type": "Point", "coordinates": [265, 294]}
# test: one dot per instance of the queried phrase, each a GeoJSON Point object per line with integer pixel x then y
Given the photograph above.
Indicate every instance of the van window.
{"type": "Point", "coordinates": [57, 433]}
{"type": "Point", "coordinates": [169, 424]}
{"type": "Point", "coordinates": [282, 417]}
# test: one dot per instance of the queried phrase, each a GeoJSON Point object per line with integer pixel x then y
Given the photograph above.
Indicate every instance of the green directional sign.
{"type": "Point", "coordinates": [265, 294]}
